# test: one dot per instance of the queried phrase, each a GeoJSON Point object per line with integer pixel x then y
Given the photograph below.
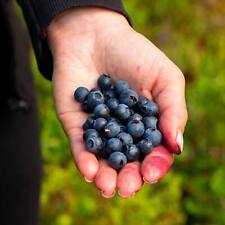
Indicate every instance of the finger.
{"type": "Point", "coordinates": [156, 165]}
{"type": "Point", "coordinates": [129, 180]}
{"type": "Point", "coordinates": [66, 80]}
{"type": "Point", "coordinates": [169, 93]}
{"type": "Point", "coordinates": [105, 179]}
{"type": "Point", "coordinates": [86, 162]}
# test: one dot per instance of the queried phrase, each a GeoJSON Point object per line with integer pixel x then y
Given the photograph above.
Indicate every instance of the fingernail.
{"type": "Point", "coordinates": [87, 180]}
{"type": "Point", "coordinates": [180, 141]}
{"type": "Point", "coordinates": [126, 196]}
{"type": "Point", "coordinates": [153, 175]}
{"type": "Point", "coordinates": [107, 196]}
{"type": "Point", "coordinates": [150, 182]}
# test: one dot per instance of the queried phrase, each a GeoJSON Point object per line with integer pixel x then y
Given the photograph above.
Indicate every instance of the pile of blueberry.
{"type": "Point", "coordinates": [122, 126]}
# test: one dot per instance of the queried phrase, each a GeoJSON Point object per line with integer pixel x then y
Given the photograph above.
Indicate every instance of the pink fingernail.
{"type": "Point", "coordinates": [150, 182]}
{"type": "Point", "coordinates": [154, 175]}
{"type": "Point", "coordinates": [126, 196]}
{"type": "Point", "coordinates": [107, 196]}
{"type": "Point", "coordinates": [87, 180]}
{"type": "Point", "coordinates": [180, 141]}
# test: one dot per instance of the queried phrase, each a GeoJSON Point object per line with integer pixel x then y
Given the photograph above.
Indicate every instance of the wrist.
{"type": "Point", "coordinates": [82, 22]}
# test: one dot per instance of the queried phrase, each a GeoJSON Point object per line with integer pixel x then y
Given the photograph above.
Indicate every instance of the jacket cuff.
{"type": "Point", "coordinates": [39, 14]}
{"type": "Point", "coordinates": [46, 10]}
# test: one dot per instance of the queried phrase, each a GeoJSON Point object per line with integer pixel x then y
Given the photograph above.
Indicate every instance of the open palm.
{"type": "Point", "coordinates": [84, 49]}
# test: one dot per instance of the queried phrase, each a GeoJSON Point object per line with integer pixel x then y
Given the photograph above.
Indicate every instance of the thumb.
{"type": "Point", "coordinates": [169, 93]}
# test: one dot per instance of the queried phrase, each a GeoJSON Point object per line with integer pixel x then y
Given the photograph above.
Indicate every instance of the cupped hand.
{"type": "Point", "coordinates": [88, 42]}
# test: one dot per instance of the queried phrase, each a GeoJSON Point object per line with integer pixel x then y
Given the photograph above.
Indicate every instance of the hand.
{"type": "Point", "coordinates": [88, 42]}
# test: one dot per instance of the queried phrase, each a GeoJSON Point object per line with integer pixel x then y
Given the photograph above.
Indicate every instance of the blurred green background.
{"type": "Point", "coordinates": [192, 34]}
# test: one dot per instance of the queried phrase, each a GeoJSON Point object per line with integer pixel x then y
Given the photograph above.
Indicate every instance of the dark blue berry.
{"type": "Point", "coordinates": [149, 109]}
{"type": "Point", "coordinates": [95, 89]}
{"type": "Point", "coordinates": [112, 119]}
{"type": "Point", "coordinates": [90, 132]}
{"type": "Point", "coordinates": [123, 128]}
{"type": "Point", "coordinates": [93, 144]}
{"type": "Point", "coordinates": [131, 112]}
{"type": "Point", "coordinates": [95, 98]}
{"type": "Point", "coordinates": [103, 153]}
{"type": "Point", "coordinates": [128, 97]}
{"type": "Point", "coordinates": [121, 85]}
{"type": "Point", "coordinates": [154, 136]}
{"type": "Point", "coordinates": [99, 123]}
{"type": "Point", "coordinates": [136, 116]}
{"type": "Point", "coordinates": [145, 146]}
{"type": "Point", "coordinates": [112, 129]}
{"type": "Point", "coordinates": [109, 94]}
{"type": "Point", "coordinates": [114, 145]}
{"type": "Point", "coordinates": [112, 103]}
{"type": "Point", "coordinates": [101, 110]}
{"type": "Point", "coordinates": [85, 107]}
{"type": "Point", "coordinates": [132, 152]}
{"type": "Point", "coordinates": [80, 94]}
{"type": "Point", "coordinates": [117, 160]}
{"type": "Point", "coordinates": [142, 101]}
{"type": "Point", "coordinates": [136, 128]}
{"type": "Point", "coordinates": [122, 112]}
{"type": "Point", "coordinates": [150, 122]}
{"type": "Point", "coordinates": [125, 138]}
{"type": "Point", "coordinates": [104, 82]}
{"type": "Point", "coordinates": [88, 123]}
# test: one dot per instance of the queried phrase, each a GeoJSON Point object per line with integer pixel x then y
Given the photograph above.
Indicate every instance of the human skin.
{"type": "Point", "coordinates": [87, 42]}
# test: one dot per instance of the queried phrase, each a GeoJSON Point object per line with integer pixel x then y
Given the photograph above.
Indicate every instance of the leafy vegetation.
{"type": "Point", "coordinates": [192, 34]}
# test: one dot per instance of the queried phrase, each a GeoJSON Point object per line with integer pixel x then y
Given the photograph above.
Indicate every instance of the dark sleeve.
{"type": "Point", "coordinates": [38, 15]}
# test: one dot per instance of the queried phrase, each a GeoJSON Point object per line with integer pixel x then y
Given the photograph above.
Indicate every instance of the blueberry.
{"type": "Point", "coordinates": [150, 122]}
{"type": "Point", "coordinates": [112, 129]}
{"type": "Point", "coordinates": [99, 123]}
{"type": "Point", "coordinates": [145, 146]}
{"type": "Point", "coordinates": [131, 112]}
{"type": "Point", "coordinates": [117, 160]}
{"type": "Point", "coordinates": [93, 144]}
{"type": "Point", "coordinates": [142, 101]}
{"type": "Point", "coordinates": [95, 98]}
{"type": "Point", "coordinates": [80, 94]}
{"type": "Point", "coordinates": [154, 136]}
{"type": "Point", "coordinates": [104, 82]}
{"type": "Point", "coordinates": [85, 107]}
{"type": "Point", "coordinates": [132, 152]}
{"type": "Point", "coordinates": [136, 116]}
{"type": "Point", "coordinates": [112, 103]}
{"type": "Point", "coordinates": [88, 123]}
{"type": "Point", "coordinates": [109, 94]}
{"type": "Point", "coordinates": [125, 138]}
{"type": "Point", "coordinates": [114, 145]}
{"type": "Point", "coordinates": [122, 112]}
{"type": "Point", "coordinates": [136, 128]}
{"type": "Point", "coordinates": [90, 132]}
{"type": "Point", "coordinates": [123, 128]}
{"type": "Point", "coordinates": [103, 153]}
{"type": "Point", "coordinates": [128, 97]}
{"type": "Point", "coordinates": [149, 109]}
{"type": "Point", "coordinates": [112, 119]}
{"type": "Point", "coordinates": [121, 85]}
{"type": "Point", "coordinates": [101, 110]}
{"type": "Point", "coordinates": [95, 89]}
